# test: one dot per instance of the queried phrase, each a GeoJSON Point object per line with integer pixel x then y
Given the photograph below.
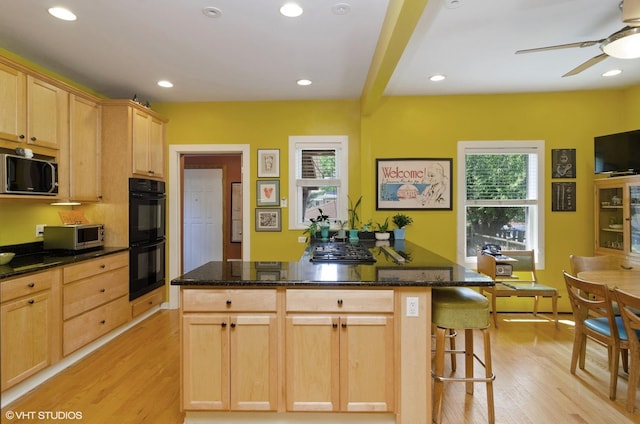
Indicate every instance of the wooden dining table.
{"type": "Point", "coordinates": [626, 280]}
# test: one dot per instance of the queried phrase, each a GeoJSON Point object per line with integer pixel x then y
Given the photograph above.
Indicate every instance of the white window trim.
{"type": "Point", "coordinates": [528, 146]}
{"type": "Point", "coordinates": [309, 142]}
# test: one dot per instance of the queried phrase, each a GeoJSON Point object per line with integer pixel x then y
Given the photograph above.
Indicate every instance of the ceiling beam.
{"type": "Point", "coordinates": [398, 26]}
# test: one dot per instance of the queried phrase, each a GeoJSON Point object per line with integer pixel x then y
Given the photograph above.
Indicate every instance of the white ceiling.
{"type": "Point", "coordinates": [251, 53]}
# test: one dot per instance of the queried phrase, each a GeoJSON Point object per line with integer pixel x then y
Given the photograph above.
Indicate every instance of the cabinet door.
{"type": "Point", "coordinates": [46, 114]}
{"type": "Point", "coordinates": [610, 238]}
{"type": "Point", "coordinates": [312, 363]}
{"type": "Point", "coordinates": [25, 337]}
{"type": "Point", "coordinates": [254, 362]}
{"type": "Point", "coordinates": [366, 363]}
{"type": "Point", "coordinates": [205, 362]}
{"type": "Point", "coordinates": [634, 219]}
{"type": "Point", "coordinates": [84, 149]}
{"type": "Point", "coordinates": [156, 148]}
{"type": "Point", "coordinates": [13, 95]}
{"type": "Point", "coordinates": [140, 142]}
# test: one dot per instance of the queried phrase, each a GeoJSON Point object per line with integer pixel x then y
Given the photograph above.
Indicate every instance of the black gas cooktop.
{"type": "Point", "coordinates": [342, 253]}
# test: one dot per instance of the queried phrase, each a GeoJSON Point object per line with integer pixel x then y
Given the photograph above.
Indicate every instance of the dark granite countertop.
{"type": "Point", "coordinates": [421, 268]}
{"type": "Point", "coordinates": [34, 261]}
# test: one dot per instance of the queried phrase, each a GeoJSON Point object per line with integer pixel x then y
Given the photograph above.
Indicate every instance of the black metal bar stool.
{"type": "Point", "coordinates": [460, 308]}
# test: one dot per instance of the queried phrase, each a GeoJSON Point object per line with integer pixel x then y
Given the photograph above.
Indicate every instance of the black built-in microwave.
{"type": "Point", "coordinates": [21, 175]}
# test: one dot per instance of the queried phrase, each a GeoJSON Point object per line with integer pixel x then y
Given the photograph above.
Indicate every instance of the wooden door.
{"type": "Point", "coordinates": [25, 337]}
{"type": "Point", "coordinates": [47, 114]}
{"type": "Point", "coordinates": [253, 362]}
{"type": "Point", "coordinates": [205, 362]}
{"type": "Point", "coordinates": [13, 97]}
{"type": "Point", "coordinates": [312, 363]}
{"type": "Point", "coordinates": [366, 363]}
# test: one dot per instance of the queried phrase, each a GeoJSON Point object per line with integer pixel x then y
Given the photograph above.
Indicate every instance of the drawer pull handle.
{"type": "Point", "coordinates": [233, 325]}
{"type": "Point", "coordinates": [31, 285]}
{"type": "Point", "coordinates": [228, 302]}
{"type": "Point", "coordinates": [340, 302]}
{"type": "Point", "coordinates": [33, 139]}
{"type": "Point", "coordinates": [224, 324]}
{"type": "Point", "coordinates": [151, 302]}
{"type": "Point", "coordinates": [31, 302]}
{"type": "Point", "coordinates": [103, 266]}
{"type": "Point", "coordinates": [102, 290]}
{"type": "Point", "coordinates": [344, 325]}
{"type": "Point", "coordinates": [103, 322]}
{"type": "Point", "coordinates": [334, 325]}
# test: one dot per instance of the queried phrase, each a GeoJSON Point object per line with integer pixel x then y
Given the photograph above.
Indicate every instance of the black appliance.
{"type": "Point", "coordinates": [147, 206]}
{"type": "Point", "coordinates": [341, 253]}
{"type": "Point", "coordinates": [21, 175]}
{"type": "Point", "coordinates": [617, 153]}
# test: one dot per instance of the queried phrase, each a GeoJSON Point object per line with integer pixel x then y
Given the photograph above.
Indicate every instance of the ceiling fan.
{"type": "Point", "coordinates": [622, 44]}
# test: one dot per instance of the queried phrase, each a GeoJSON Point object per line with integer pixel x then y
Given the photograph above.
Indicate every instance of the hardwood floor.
{"type": "Point", "coordinates": [135, 379]}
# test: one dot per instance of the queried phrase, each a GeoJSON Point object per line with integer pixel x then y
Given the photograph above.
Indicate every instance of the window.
{"type": "Point", "coordinates": [318, 166]}
{"type": "Point", "coordinates": [501, 197]}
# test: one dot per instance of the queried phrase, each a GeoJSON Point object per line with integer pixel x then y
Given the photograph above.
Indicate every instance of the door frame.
{"type": "Point", "coordinates": [175, 201]}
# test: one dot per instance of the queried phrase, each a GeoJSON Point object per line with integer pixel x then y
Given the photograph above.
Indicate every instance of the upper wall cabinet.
{"type": "Point", "coordinates": [135, 133]}
{"type": "Point", "coordinates": [85, 117]}
{"type": "Point", "coordinates": [34, 112]}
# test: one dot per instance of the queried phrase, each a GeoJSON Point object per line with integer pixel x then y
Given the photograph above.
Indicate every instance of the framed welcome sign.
{"type": "Point", "coordinates": [417, 184]}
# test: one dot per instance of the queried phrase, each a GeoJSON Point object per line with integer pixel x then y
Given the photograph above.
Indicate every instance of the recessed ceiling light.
{"type": "Point", "coordinates": [612, 73]}
{"type": "Point", "coordinates": [303, 82]}
{"type": "Point", "coordinates": [291, 10]}
{"type": "Point", "coordinates": [436, 78]}
{"type": "Point", "coordinates": [212, 12]}
{"type": "Point", "coordinates": [165, 83]}
{"type": "Point", "coordinates": [62, 13]}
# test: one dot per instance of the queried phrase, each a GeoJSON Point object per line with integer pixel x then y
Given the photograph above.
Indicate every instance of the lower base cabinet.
{"type": "Point", "coordinates": [230, 359]}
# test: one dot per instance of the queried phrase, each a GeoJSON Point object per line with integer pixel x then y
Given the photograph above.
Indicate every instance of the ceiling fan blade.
{"type": "Point", "coordinates": [589, 63]}
{"type": "Point", "coordinates": [631, 12]}
{"type": "Point", "coordinates": [562, 46]}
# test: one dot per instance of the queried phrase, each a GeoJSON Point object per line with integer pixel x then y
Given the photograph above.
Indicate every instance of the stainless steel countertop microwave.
{"type": "Point", "coordinates": [73, 237]}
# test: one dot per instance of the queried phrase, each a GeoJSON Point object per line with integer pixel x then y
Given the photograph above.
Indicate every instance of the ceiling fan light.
{"type": "Point", "coordinates": [623, 44]}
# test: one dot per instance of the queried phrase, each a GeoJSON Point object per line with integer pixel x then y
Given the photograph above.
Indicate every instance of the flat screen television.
{"type": "Point", "coordinates": [617, 153]}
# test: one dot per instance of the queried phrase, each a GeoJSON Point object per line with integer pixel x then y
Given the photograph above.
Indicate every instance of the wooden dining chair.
{"type": "Point", "coordinates": [594, 318]}
{"type": "Point", "coordinates": [629, 304]}
{"type": "Point", "coordinates": [593, 263]}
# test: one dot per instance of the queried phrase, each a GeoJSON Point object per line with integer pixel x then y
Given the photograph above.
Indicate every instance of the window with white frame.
{"type": "Point", "coordinates": [500, 197]}
{"type": "Point", "coordinates": [319, 178]}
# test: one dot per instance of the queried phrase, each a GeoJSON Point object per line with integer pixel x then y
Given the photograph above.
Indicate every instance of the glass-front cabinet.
{"type": "Point", "coordinates": [617, 216]}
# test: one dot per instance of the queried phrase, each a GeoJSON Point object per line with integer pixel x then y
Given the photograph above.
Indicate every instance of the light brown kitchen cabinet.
{"type": "Point", "coordinates": [85, 117]}
{"type": "Point", "coordinates": [339, 350]}
{"type": "Point", "coordinates": [229, 351]}
{"type": "Point", "coordinates": [147, 301]}
{"type": "Point", "coordinates": [34, 113]}
{"type": "Point", "coordinates": [617, 217]}
{"type": "Point", "coordinates": [30, 319]}
{"type": "Point", "coordinates": [95, 299]}
{"type": "Point", "coordinates": [148, 144]}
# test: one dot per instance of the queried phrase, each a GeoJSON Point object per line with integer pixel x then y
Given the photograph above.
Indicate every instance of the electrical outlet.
{"type": "Point", "coordinates": [40, 230]}
{"type": "Point", "coordinates": [412, 307]}
{"type": "Point", "coordinates": [302, 239]}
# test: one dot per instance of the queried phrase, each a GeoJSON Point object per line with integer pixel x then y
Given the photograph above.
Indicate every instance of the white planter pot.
{"type": "Point", "coordinates": [383, 236]}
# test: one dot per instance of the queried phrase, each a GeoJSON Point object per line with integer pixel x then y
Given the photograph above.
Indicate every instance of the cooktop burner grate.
{"type": "Point", "coordinates": [345, 253]}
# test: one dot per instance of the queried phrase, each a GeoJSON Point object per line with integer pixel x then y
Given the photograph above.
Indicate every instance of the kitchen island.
{"type": "Point", "coordinates": [313, 341]}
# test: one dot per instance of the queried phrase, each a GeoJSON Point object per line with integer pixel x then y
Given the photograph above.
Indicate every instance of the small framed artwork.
{"type": "Point", "coordinates": [268, 193]}
{"type": "Point", "coordinates": [416, 184]}
{"type": "Point", "coordinates": [564, 197]}
{"type": "Point", "coordinates": [563, 162]}
{"type": "Point", "coordinates": [268, 163]}
{"type": "Point", "coordinates": [268, 219]}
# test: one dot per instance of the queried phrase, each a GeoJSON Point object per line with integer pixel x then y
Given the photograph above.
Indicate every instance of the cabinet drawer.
{"type": "Point", "coordinates": [83, 295]}
{"type": "Point", "coordinates": [232, 300]}
{"type": "Point", "coordinates": [87, 327]}
{"type": "Point", "coordinates": [301, 300]}
{"type": "Point", "coordinates": [146, 302]}
{"type": "Point", "coordinates": [95, 266]}
{"type": "Point", "coordinates": [32, 283]}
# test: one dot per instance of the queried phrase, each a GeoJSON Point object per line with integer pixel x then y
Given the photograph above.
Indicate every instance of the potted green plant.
{"type": "Point", "coordinates": [341, 233]}
{"type": "Point", "coordinates": [354, 219]}
{"type": "Point", "coordinates": [321, 222]}
{"type": "Point", "coordinates": [383, 233]}
{"type": "Point", "coordinates": [400, 220]}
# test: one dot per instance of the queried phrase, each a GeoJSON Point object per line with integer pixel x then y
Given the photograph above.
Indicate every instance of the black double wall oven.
{"type": "Point", "coordinates": [147, 209]}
